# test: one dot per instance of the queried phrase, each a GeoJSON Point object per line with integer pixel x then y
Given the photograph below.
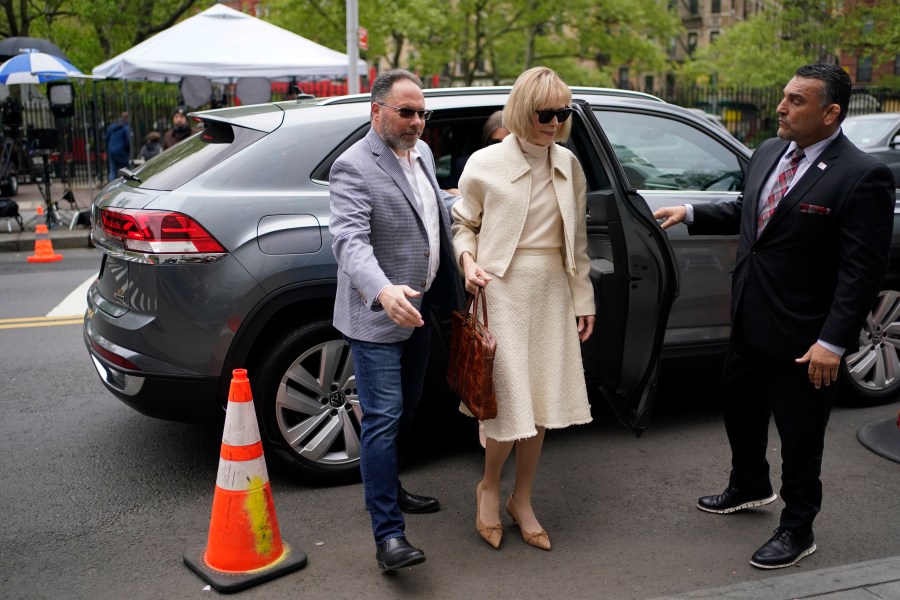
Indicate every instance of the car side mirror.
{"type": "Point", "coordinates": [895, 142]}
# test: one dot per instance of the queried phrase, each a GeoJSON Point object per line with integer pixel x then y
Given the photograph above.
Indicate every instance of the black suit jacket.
{"type": "Point", "coordinates": [816, 270]}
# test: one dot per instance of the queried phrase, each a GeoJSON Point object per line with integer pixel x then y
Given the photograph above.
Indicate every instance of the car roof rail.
{"type": "Point", "coordinates": [504, 89]}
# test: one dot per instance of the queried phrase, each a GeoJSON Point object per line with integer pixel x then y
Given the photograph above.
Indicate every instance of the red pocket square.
{"type": "Point", "coordinates": [815, 210]}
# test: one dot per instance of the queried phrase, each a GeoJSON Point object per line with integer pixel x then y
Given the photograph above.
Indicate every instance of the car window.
{"type": "Point", "coordinates": [867, 131]}
{"type": "Point", "coordinates": [661, 153]}
{"type": "Point", "coordinates": [452, 136]}
{"type": "Point", "coordinates": [184, 161]}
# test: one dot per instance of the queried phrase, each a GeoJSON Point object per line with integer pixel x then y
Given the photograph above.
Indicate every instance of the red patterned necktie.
{"type": "Point", "coordinates": [781, 185]}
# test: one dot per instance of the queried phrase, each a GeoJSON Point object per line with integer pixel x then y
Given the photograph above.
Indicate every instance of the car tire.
{"type": "Point", "coordinates": [307, 402]}
{"type": "Point", "coordinates": [871, 375]}
{"type": "Point", "coordinates": [10, 187]}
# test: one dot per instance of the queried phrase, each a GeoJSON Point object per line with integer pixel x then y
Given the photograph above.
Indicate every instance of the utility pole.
{"type": "Point", "coordinates": [352, 47]}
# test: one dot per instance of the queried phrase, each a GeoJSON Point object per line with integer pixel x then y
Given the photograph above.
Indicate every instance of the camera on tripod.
{"type": "Point", "coordinates": [11, 117]}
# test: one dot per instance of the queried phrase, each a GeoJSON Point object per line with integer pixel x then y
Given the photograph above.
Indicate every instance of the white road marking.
{"type": "Point", "coordinates": [75, 303]}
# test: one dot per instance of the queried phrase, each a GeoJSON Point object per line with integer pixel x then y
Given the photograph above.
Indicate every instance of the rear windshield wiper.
{"type": "Point", "coordinates": [127, 174]}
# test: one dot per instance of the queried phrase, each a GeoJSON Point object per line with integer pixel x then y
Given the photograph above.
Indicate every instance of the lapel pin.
{"type": "Point", "coordinates": [821, 166]}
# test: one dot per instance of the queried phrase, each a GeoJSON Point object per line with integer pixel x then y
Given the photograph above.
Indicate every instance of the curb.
{"type": "Point", "coordinates": [23, 241]}
{"type": "Point", "coordinates": [874, 579]}
{"type": "Point", "coordinates": [13, 239]}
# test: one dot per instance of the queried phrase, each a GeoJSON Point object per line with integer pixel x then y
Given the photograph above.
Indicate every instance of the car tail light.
{"type": "Point", "coordinates": [157, 232]}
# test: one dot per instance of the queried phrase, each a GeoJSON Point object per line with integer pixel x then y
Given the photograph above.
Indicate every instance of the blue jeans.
{"type": "Point", "coordinates": [389, 379]}
{"type": "Point", "coordinates": [116, 162]}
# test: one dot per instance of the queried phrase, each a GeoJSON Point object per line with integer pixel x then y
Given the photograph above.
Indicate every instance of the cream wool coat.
{"type": "Point", "coordinates": [499, 177]}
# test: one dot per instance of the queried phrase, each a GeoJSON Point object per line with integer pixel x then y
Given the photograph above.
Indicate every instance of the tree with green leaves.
{"type": "Point", "coordinates": [768, 47]}
{"type": "Point", "coordinates": [92, 31]}
{"type": "Point", "coordinates": [495, 40]}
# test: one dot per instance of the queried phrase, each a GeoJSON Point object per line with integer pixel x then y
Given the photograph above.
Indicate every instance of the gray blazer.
{"type": "Point", "coordinates": [379, 238]}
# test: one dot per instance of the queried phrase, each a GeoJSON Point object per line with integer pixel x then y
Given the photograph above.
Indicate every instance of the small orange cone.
{"type": "Point", "coordinates": [43, 247]}
{"type": "Point", "coordinates": [244, 546]}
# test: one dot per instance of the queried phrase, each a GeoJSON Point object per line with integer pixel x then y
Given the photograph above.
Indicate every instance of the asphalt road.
{"type": "Point", "coordinates": [101, 502]}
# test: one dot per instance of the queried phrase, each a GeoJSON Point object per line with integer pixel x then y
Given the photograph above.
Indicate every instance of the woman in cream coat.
{"type": "Point", "coordinates": [520, 227]}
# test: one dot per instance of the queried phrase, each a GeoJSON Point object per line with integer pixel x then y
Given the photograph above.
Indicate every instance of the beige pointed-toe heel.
{"type": "Point", "coordinates": [538, 539]}
{"type": "Point", "coordinates": [492, 534]}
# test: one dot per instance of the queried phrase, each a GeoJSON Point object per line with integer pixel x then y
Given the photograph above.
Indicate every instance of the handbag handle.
{"type": "Point", "coordinates": [480, 293]}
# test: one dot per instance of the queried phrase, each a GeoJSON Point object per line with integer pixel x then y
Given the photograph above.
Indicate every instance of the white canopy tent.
{"type": "Point", "coordinates": [224, 45]}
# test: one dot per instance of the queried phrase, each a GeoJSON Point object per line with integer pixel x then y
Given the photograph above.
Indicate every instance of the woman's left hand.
{"type": "Point", "coordinates": [585, 327]}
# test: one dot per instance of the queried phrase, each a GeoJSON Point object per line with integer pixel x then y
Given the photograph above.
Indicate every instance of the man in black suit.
{"type": "Point", "coordinates": [815, 233]}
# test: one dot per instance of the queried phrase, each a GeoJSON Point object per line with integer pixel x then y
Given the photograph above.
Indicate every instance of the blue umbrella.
{"type": "Point", "coordinates": [36, 67]}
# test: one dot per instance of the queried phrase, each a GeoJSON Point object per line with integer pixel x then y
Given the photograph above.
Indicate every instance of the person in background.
{"type": "Point", "coordinates": [180, 129]}
{"type": "Point", "coordinates": [151, 146]}
{"type": "Point", "coordinates": [520, 230]}
{"type": "Point", "coordinates": [815, 231]}
{"type": "Point", "coordinates": [391, 239]}
{"type": "Point", "coordinates": [118, 146]}
{"type": "Point", "coordinates": [493, 130]}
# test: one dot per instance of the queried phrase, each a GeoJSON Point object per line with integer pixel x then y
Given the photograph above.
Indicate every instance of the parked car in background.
{"type": "Point", "coordinates": [217, 255]}
{"type": "Point", "coordinates": [713, 118]}
{"type": "Point", "coordinates": [877, 134]}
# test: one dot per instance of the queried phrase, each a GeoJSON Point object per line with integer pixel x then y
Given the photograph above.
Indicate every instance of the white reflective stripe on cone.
{"type": "Point", "coordinates": [241, 428]}
{"type": "Point", "coordinates": [242, 475]}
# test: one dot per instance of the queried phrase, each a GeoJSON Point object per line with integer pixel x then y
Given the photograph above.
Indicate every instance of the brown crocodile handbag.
{"type": "Point", "coordinates": [470, 371]}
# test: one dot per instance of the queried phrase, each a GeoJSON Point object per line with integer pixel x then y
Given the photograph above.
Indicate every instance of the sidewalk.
{"type": "Point", "coordinates": [28, 199]}
{"type": "Point", "coordinates": [871, 580]}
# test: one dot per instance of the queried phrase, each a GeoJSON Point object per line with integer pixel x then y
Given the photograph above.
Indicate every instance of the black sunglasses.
{"type": "Point", "coordinates": [408, 113]}
{"type": "Point", "coordinates": [545, 116]}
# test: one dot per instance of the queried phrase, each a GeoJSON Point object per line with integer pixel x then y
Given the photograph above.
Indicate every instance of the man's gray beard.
{"type": "Point", "coordinates": [397, 143]}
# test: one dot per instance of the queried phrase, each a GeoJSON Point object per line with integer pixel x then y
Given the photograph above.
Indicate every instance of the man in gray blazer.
{"type": "Point", "coordinates": [392, 243]}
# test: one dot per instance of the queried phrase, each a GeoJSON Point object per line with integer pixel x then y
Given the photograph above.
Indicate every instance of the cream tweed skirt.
{"type": "Point", "coordinates": [538, 373]}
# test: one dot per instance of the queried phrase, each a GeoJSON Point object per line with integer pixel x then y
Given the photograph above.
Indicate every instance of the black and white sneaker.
{"type": "Point", "coordinates": [785, 549]}
{"type": "Point", "coordinates": [733, 500]}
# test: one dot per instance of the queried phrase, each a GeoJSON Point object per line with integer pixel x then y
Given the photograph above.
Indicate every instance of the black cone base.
{"type": "Point", "coordinates": [235, 582]}
{"type": "Point", "coordinates": [882, 438]}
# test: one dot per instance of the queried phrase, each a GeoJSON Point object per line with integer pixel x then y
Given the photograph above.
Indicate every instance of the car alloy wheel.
{"type": "Point", "coordinates": [310, 407]}
{"type": "Point", "coordinates": [871, 375]}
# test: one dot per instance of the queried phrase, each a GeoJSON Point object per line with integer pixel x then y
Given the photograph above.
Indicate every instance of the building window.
{"type": "Point", "coordinates": [623, 77]}
{"type": "Point", "coordinates": [694, 7]}
{"type": "Point", "coordinates": [712, 36]}
{"type": "Point", "coordinates": [716, 6]}
{"type": "Point", "coordinates": [864, 69]}
{"type": "Point", "coordinates": [897, 65]}
{"type": "Point", "coordinates": [648, 84]}
{"type": "Point", "coordinates": [692, 42]}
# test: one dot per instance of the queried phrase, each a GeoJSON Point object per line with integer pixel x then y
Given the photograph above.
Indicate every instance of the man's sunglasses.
{"type": "Point", "coordinates": [545, 116]}
{"type": "Point", "coordinates": [409, 113]}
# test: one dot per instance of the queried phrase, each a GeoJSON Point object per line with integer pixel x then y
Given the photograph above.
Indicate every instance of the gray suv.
{"type": "Point", "coordinates": [217, 255]}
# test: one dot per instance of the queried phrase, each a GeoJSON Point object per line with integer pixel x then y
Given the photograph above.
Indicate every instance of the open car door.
{"type": "Point", "coordinates": [635, 279]}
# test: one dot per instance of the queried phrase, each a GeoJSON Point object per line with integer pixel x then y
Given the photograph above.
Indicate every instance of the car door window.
{"type": "Point", "coordinates": [660, 153]}
{"type": "Point", "coordinates": [452, 135]}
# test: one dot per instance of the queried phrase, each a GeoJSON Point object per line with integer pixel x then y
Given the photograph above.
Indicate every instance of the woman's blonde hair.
{"type": "Point", "coordinates": [538, 87]}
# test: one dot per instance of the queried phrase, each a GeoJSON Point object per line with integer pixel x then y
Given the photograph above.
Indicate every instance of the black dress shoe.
{"type": "Point", "coordinates": [411, 503]}
{"type": "Point", "coordinates": [397, 553]}
{"type": "Point", "coordinates": [733, 500]}
{"type": "Point", "coordinates": [786, 548]}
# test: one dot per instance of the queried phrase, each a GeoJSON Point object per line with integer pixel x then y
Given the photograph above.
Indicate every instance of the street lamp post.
{"type": "Point", "coordinates": [352, 47]}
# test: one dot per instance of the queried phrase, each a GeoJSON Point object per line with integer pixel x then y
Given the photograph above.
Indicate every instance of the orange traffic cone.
{"type": "Point", "coordinates": [244, 546]}
{"type": "Point", "coordinates": [43, 247]}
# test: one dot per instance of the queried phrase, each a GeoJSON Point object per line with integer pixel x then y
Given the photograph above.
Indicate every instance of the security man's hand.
{"type": "Point", "coordinates": [823, 365]}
